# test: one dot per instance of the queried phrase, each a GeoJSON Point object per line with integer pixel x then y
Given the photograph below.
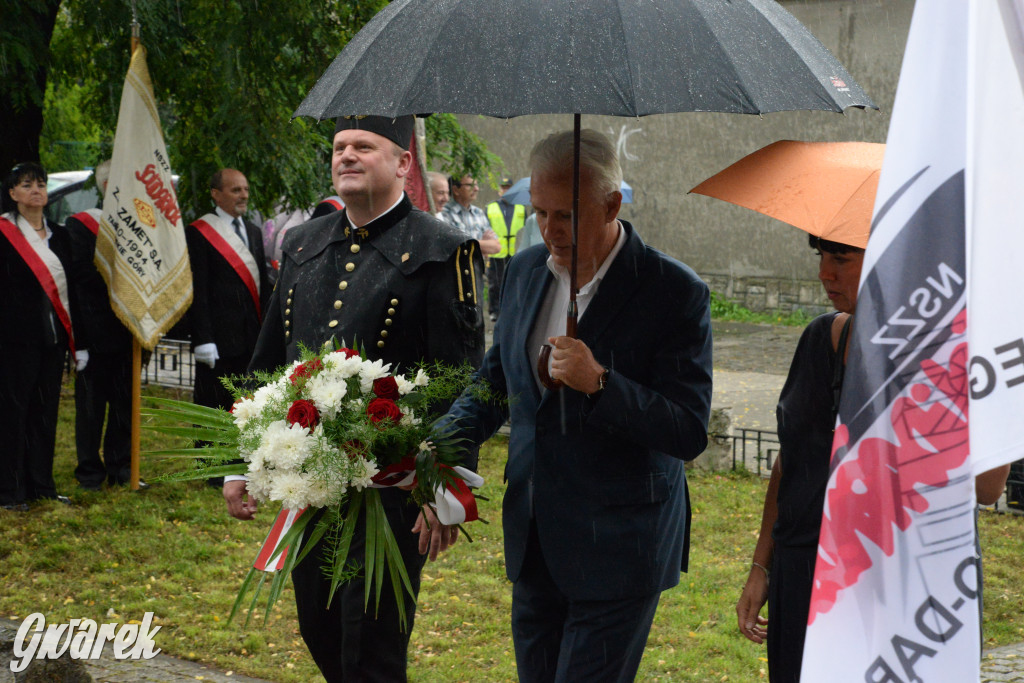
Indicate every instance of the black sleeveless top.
{"type": "Point", "coordinates": [805, 433]}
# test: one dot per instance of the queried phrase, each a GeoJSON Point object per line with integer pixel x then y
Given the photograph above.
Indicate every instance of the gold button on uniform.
{"type": "Point", "coordinates": [333, 323]}
{"type": "Point", "coordinates": [287, 311]}
{"type": "Point", "coordinates": [289, 302]}
{"type": "Point", "coordinates": [384, 333]}
{"type": "Point", "coordinates": [387, 321]}
{"type": "Point", "coordinates": [380, 344]}
{"type": "Point", "coordinates": [391, 311]}
{"type": "Point", "coordinates": [394, 302]}
{"type": "Point", "coordinates": [342, 285]}
{"type": "Point", "coordinates": [354, 248]}
{"type": "Point", "coordinates": [337, 305]}
{"type": "Point", "coordinates": [287, 323]}
{"type": "Point", "coordinates": [287, 334]}
{"type": "Point", "coordinates": [350, 267]}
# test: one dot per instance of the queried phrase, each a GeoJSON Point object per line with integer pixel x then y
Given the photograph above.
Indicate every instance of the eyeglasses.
{"type": "Point", "coordinates": [472, 184]}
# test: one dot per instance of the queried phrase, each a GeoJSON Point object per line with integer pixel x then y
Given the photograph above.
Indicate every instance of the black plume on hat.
{"type": "Point", "coordinates": [398, 130]}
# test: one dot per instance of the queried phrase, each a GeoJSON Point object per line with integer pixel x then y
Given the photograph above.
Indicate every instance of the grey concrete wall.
{"type": "Point", "coordinates": [756, 260]}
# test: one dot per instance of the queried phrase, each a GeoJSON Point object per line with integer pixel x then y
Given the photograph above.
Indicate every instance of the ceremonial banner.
{"type": "Point", "coordinates": [140, 248]}
{"type": "Point", "coordinates": [995, 167]}
{"type": "Point", "coordinates": [896, 580]}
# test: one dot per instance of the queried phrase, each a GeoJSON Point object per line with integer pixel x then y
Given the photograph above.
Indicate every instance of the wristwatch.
{"type": "Point", "coordinates": [602, 381]}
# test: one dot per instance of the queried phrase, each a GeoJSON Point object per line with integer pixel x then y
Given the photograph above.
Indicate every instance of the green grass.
{"type": "Point", "coordinates": [723, 309]}
{"type": "Point", "coordinates": [173, 550]}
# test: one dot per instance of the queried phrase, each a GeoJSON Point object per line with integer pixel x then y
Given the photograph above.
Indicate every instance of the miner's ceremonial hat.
{"type": "Point", "coordinates": [398, 130]}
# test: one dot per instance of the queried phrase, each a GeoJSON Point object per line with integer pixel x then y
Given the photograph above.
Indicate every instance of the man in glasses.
{"type": "Point", "coordinates": [460, 213]}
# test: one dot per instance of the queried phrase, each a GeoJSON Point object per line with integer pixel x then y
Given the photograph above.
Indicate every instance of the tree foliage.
{"type": "Point", "coordinates": [25, 30]}
{"type": "Point", "coordinates": [458, 152]}
{"type": "Point", "coordinates": [228, 74]}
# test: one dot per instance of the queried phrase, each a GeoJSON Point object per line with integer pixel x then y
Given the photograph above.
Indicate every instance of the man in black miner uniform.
{"type": "Point", "coordinates": [397, 281]}
{"type": "Point", "coordinates": [103, 358]}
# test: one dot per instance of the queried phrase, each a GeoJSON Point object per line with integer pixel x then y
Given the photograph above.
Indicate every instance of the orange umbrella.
{"type": "Point", "coordinates": [824, 188]}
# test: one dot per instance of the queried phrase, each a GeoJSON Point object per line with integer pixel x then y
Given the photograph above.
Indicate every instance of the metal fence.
{"type": "Point", "coordinates": [754, 450]}
{"type": "Point", "coordinates": [171, 365]}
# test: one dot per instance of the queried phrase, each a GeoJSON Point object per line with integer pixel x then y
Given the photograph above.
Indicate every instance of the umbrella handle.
{"type": "Point", "coordinates": [542, 369]}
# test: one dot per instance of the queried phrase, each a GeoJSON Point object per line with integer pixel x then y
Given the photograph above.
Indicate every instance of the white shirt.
{"type": "Point", "coordinates": [552, 314]}
{"type": "Point", "coordinates": [230, 220]}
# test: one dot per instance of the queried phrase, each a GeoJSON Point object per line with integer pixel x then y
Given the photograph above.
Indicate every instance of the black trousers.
{"type": "Point", "coordinates": [350, 642]}
{"type": "Point", "coordinates": [559, 640]}
{"type": "Point", "coordinates": [30, 378]}
{"type": "Point", "coordinates": [495, 276]}
{"type": "Point", "coordinates": [208, 389]}
{"type": "Point", "coordinates": [789, 602]}
{"type": "Point", "coordinates": [103, 390]}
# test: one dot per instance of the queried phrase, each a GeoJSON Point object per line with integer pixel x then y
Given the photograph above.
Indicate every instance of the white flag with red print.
{"type": "Point", "coordinates": [140, 247]}
{"type": "Point", "coordinates": [896, 580]}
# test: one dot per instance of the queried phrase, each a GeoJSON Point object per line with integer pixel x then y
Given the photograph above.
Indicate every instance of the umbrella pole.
{"type": "Point", "coordinates": [572, 314]}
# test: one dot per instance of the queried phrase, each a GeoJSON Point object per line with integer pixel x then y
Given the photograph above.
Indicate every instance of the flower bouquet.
{"type": "Point", "coordinates": [327, 433]}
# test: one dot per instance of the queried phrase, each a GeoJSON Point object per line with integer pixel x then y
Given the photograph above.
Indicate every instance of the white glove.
{"type": "Point", "coordinates": [81, 360]}
{"type": "Point", "coordinates": [206, 354]}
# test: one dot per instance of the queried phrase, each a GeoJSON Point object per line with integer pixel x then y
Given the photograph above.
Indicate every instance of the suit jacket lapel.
{"type": "Point", "coordinates": [616, 289]}
{"type": "Point", "coordinates": [536, 288]}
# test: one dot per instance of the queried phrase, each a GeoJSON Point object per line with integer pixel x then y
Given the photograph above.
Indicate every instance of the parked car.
{"type": "Point", "coordinates": [68, 195]}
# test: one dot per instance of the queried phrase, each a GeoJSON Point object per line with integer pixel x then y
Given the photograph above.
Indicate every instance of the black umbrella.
{"type": "Point", "coordinates": [612, 57]}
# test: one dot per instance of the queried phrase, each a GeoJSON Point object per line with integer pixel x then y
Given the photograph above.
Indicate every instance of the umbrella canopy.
{"type": "Point", "coordinates": [519, 193]}
{"type": "Point", "coordinates": [615, 57]}
{"type": "Point", "coordinates": [824, 188]}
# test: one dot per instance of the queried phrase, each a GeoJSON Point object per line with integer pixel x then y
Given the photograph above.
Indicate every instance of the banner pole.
{"type": "Point", "coordinates": [136, 347]}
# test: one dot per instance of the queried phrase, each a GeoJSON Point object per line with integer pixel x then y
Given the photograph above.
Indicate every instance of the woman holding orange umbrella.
{"type": "Point", "coordinates": [828, 190]}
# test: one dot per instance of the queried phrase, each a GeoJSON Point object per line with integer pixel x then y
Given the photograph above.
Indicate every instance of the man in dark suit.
{"type": "Point", "coordinates": [103, 359]}
{"type": "Point", "coordinates": [230, 288]}
{"type": "Point", "coordinates": [596, 514]}
{"type": "Point", "coordinates": [382, 274]}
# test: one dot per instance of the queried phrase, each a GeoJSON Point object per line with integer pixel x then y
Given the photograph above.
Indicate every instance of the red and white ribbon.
{"type": "Point", "coordinates": [268, 560]}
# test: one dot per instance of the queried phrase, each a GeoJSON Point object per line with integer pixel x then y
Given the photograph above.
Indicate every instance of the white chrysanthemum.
{"type": "Point", "coordinates": [370, 370]}
{"type": "Point", "coordinates": [285, 446]}
{"type": "Point", "coordinates": [421, 378]}
{"type": "Point", "coordinates": [345, 367]}
{"type": "Point", "coordinates": [362, 473]}
{"type": "Point", "coordinates": [425, 446]}
{"type": "Point", "coordinates": [327, 391]}
{"type": "Point", "coordinates": [404, 386]}
{"type": "Point", "coordinates": [409, 419]}
{"type": "Point", "coordinates": [291, 488]}
{"type": "Point", "coordinates": [266, 394]}
{"type": "Point", "coordinates": [243, 411]}
{"type": "Point", "coordinates": [259, 485]}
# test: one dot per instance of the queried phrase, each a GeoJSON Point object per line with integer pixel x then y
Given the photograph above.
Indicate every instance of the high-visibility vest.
{"type": "Point", "coordinates": [506, 235]}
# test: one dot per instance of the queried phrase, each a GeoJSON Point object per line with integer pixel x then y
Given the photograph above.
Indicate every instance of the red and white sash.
{"type": "Point", "coordinates": [43, 263]}
{"type": "Point", "coordinates": [90, 218]}
{"type": "Point", "coordinates": [222, 237]}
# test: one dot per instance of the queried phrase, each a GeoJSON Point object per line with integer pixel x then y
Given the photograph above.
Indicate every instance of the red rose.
{"type": "Point", "coordinates": [386, 387]}
{"type": "Point", "coordinates": [305, 371]}
{"type": "Point", "coordinates": [303, 413]}
{"type": "Point", "coordinates": [349, 353]}
{"type": "Point", "coordinates": [380, 409]}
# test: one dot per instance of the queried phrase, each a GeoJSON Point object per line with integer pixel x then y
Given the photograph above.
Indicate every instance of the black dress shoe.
{"type": "Point", "coordinates": [16, 507]}
{"type": "Point", "coordinates": [91, 487]}
{"type": "Point", "coordinates": [62, 499]}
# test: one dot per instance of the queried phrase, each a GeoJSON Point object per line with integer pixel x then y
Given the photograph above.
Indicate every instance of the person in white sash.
{"type": "Point", "coordinates": [230, 289]}
{"type": "Point", "coordinates": [35, 335]}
